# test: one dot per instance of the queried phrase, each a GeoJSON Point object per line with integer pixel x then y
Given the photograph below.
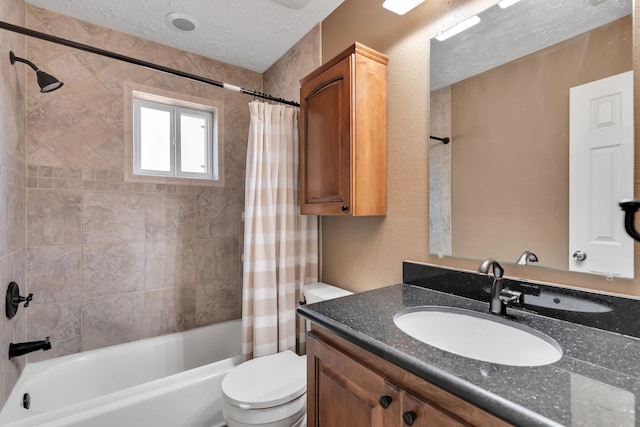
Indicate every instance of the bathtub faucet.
{"type": "Point", "coordinates": [27, 347]}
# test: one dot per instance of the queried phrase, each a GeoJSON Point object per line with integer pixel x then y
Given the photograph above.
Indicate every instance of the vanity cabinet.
{"type": "Point", "coordinates": [343, 135]}
{"type": "Point", "coordinates": [349, 386]}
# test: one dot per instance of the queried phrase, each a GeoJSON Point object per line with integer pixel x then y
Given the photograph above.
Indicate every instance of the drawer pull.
{"type": "Point", "coordinates": [385, 401]}
{"type": "Point", "coordinates": [409, 417]}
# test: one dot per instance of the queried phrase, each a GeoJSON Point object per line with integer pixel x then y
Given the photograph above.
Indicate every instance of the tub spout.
{"type": "Point", "coordinates": [27, 347]}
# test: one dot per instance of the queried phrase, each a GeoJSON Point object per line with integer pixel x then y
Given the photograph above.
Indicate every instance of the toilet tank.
{"type": "Point", "coordinates": [318, 291]}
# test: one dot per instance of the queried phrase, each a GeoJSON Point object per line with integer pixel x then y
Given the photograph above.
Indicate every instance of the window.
{"type": "Point", "coordinates": [174, 138]}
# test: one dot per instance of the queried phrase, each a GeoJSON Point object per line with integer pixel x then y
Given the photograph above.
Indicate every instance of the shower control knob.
{"type": "Point", "coordinates": [26, 300]}
{"type": "Point", "coordinates": [385, 401]}
{"type": "Point", "coordinates": [579, 256]}
{"type": "Point", "coordinates": [409, 417]}
{"type": "Point", "coordinates": [13, 300]}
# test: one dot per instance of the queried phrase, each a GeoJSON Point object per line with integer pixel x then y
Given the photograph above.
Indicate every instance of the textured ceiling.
{"type": "Point", "coordinates": [251, 34]}
{"type": "Point", "coordinates": [504, 35]}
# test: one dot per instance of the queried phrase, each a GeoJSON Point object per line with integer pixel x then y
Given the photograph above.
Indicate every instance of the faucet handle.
{"type": "Point", "coordinates": [27, 300]}
{"type": "Point", "coordinates": [509, 296]}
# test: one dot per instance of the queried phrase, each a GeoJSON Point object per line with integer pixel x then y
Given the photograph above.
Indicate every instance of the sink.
{"type": "Point", "coordinates": [479, 336]}
{"type": "Point", "coordinates": [558, 301]}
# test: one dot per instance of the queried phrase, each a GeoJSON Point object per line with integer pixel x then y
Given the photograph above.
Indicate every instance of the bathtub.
{"type": "Point", "coordinates": [172, 380]}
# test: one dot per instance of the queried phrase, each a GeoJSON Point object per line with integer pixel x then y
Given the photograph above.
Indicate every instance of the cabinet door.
{"type": "Point", "coordinates": [342, 392]}
{"type": "Point", "coordinates": [419, 413]}
{"type": "Point", "coordinates": [325, 125]}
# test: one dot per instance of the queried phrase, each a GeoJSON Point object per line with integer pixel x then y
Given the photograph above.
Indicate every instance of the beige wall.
{"type": "Point", "coordinates": [12, 189]}
{"type": "Point", "coordinates": [511, 147]}
{"type": "Point", "coordinates": [366, 253]}
{"type": "Point", "coordinates": [282, 79]}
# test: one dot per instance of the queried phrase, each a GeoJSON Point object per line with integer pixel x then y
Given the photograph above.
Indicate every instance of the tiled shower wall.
{"type": "Point", "coordinates": [440, 173]}
{"type": "Point", "coordinates": [111, 261]}
{"type": "Point", "coordinates": [12, 188]}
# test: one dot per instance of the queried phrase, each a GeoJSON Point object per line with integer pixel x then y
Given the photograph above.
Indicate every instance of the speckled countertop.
{"type": "Point", "coordinates": [595, 383]}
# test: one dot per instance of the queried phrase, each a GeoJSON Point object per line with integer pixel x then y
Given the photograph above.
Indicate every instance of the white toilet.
{"type": "Point", "coordinates": [271, 391]}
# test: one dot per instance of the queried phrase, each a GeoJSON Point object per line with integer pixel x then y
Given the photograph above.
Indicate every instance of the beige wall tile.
{"type": "Point", "coordinates": [66, 27]}
{"type": "Point", "coordinates": [217, 260]}
{"type": "Point", "coordinates": [91, 92]}
{"type": "Point", "coordinates": [112, 319]}
{"type": "Point", "coordinates": [16, 212]}
{"type": "Point", "coordinates": [53, 217]}
{"type": "Point", "coordinates": [177, 313]}
{"type": "Point", "coordinates": [4, 224]}
{"type": "Point", "coordinates": [60, 321]}
{"type": "Point", "coordinates": [170, 263]}
{"type": "Point", "coordinates": [91, 61]}
{"type": "Point", "coordinates": [113, 269]}
{"type": "Point", "coordinates": [112, 217]}
{"type": "Point", "coordinates": [68, 109]}
{"type": "Point", "coordinates": [74, 152]}
{"type": "Point", "coordinates": [54, 273]}
{"type": "Point", "coordinates": [217, 302]}
{"type": "Point", "coordinates": [218, 214]}
{"type": "Point", "coordinates": [170, 216]}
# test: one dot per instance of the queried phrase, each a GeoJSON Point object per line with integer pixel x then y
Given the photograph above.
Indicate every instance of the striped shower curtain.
{"type": "Point", "coordinates": [280, 245]}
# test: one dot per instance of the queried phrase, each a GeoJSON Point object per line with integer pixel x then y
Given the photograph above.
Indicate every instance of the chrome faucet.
{"type": "Point", "coordinates": [526, 258]}
{"type": "Point", "coordinates": [500, 296]}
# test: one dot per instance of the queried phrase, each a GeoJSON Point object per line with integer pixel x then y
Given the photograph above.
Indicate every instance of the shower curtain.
{"type": "Point", "coordinates": [280, 245]}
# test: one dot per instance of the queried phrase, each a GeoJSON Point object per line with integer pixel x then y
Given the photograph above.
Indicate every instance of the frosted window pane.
{"type": "Point", "coordinates": [155, 139]}
{"type": "Point", "coordinates": [193, 144]}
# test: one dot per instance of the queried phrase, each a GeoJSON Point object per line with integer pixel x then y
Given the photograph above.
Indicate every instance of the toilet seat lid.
{"type": "Point", "coordinates": [266, 381]}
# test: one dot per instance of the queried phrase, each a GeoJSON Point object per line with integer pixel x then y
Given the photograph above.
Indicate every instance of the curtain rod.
{"type": "Point", "coordinates": [97, 51]}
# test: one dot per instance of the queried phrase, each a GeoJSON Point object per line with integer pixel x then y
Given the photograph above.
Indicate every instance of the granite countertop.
{"type": "Point", "coordinates": [595, 383]}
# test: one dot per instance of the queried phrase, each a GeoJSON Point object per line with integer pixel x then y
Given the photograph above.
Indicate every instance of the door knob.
{"type": "Point", "coordinates": [579, 256]}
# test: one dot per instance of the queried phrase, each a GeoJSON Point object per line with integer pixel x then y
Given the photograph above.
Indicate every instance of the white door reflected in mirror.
{"type": "Point", "coordinates": [601, 174]}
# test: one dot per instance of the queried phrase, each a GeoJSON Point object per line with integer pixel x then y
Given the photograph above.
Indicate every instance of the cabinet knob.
{"type": "Point", "coordinates": [344, 208]}
{"type": "Point", "coordinates": [385, 401]}
{"type": "Point", "coordinates": [409, 417]}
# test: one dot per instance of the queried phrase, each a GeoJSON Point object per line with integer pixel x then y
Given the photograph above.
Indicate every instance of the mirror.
{"type": "Point", "coordinates": [500, 92]}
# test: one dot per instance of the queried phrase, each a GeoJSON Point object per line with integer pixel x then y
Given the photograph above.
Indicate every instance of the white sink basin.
{"type": "Point", "coordinates": [479, 336]}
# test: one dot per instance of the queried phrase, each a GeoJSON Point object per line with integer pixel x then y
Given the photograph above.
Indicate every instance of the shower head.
{"type": "Point", "coordinates": [47, 82]}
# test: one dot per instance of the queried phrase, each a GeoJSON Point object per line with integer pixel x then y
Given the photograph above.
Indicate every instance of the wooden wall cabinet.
{"type": "Point", "coordinates": [351, 387]}
{"type": "Point", "coordinates": [343, 135]}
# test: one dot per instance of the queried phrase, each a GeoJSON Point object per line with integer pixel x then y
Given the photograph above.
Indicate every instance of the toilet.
{"type": "Point", "coordinates": [271, 391]}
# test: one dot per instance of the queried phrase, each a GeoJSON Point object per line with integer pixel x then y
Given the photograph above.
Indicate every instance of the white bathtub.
{"type": "Point", "coordinates": [173, 380]}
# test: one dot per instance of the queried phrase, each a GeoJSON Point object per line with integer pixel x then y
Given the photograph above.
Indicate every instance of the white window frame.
{"type": "Point", "coordinates": [177, 109]}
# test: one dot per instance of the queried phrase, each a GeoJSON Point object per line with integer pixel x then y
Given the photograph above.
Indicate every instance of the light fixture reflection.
{"type": "Point", "coordinates": [47, 82]}
{"type": "Point", "coordinates": [506, 3]}
{"type": "Point", "coordinates": [457, 29]}
{"type": "Point", "coordinates": [400, 6]}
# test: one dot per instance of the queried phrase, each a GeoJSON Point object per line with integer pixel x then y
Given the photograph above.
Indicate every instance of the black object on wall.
{"type": "Point", "coordinates": [630, 207]}
{"type": "Point", "coordinates": [69, 43]}
{"type": "Point", "coordinates": [13, 300]}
